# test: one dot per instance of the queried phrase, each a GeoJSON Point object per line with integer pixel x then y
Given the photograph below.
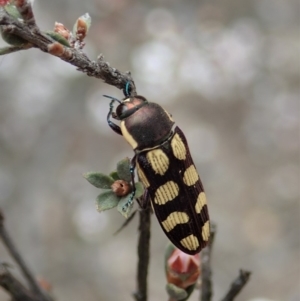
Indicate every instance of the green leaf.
{"type": "Point", "coordinates": [99, 180]}
{"type": "Point", "coordinates": [189, 291]}
{"type": "Point", "coordinates": [114, 175]}
{"type": "Point", "coordinates": [122, 208]}
{"type": "Point", "coordinates": [9, 38]}
{"type": "Point", "coordinates": [12, 39]}
{"type": "Point", "coordinates": [59, 38]}
{"type": "Point", "coordinates": [106, 200]}
{"type": "Point", "coordinates": [12, 11]}
{"type": "Point", "coordinates": [123, 170]}
{"type": "Point", "coordinates": [139, 189]}
{"type": "Point", "coordinates": [176, 292]}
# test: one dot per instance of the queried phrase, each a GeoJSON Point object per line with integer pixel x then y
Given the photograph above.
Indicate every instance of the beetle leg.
{"type": "Point", "coordinates": [132, 168]}
{"type": "Point", "coordinates": [112, 125]}
{"type": "Point", "coordinates": [115, 116]}
{"type": "Point", "coordinates": [145, 200]}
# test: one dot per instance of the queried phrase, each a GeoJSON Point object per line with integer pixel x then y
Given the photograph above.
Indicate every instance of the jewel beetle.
{"type": "Point", "coordinates": [165, 167]}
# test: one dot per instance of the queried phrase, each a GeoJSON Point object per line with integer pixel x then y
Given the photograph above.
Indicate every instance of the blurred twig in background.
{"type": "Point", "coordinates": [237, 285]}
{"type": "Point", "coordinates": [143, 254]}
{"type": "Point", "coordinates": [9, 282]}
{"type": "Point", "coordinates": [13, 287]}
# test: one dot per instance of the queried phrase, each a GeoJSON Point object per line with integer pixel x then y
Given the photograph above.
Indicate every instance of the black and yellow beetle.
{"type": "Point", "coordinates": [166, 169]}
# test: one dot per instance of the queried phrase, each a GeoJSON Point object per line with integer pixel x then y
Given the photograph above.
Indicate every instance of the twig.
{"type": "Point", "coordinates": [14, 287]}
{"type": "Point", "coordinates": [206, 273]}
{"type": "Point", "coordinates": [237, 285]}
{"type": "Point", "coordinates": [99, 68]}
{"type": "Point", "coordinates": [11, 49]}
{"type": "Point", "coordinates": [7, 241]}
{"type": "Point", "coordinates": [143, 255]}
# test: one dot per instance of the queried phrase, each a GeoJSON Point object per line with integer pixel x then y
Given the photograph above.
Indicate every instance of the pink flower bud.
{"type": "Point", "coordinates": [183, 270]}
{"type": "Point", "coordinates": [3, 2]}
{"type": "Point", "coordinates": [62, 30]}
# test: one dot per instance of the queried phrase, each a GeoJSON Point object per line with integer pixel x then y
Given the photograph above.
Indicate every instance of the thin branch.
{"type": "Point", "coordinates": [237, 285]}
{"type": "Point", "coordinates": [206, 272]}
{"type": "Point", "coordinates": [14, 287]}
{"type": "Point", "coordinates": [7, 241]}
{"type": "Point", "coordinates": [99, 68]}
{"type": "Point", "coordinates": [11, 49]}
{"type": "Point", "coordinates": [143, 255]}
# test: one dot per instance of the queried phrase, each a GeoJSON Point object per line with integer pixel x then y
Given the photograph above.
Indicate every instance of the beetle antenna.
{"type": "Point", "coordinates": [111, 107]}
{"type": "Point", "coordinates": [113, 98]}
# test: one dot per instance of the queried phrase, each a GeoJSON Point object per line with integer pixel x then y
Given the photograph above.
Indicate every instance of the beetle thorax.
{"type": "Point", "coordinates": [147, 127]}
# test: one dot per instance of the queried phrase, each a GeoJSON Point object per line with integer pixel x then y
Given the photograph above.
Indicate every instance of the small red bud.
{"type": "Point", "coordinates": [121, 188]}
{"type": "Point", "coordinates": [62, 30]}
{"type": "Point", "coordinates": [56, 49]}
{"type": "Point", "coordinates": [81, 29]}
{"type": "Point", "coordinates": [44, 284]}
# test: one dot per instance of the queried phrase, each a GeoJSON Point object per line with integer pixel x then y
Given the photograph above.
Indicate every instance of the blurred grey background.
{"type": "Point", "coordinates": [228, 72]}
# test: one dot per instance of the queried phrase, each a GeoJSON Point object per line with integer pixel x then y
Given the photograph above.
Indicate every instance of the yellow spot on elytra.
{"type": "Point", "coordinates": [191, 242]}
{"type": "Point", "coordinates": [174, 219]}
{"type": "Point", "coordinates": [205, 231]}
{"type": "Point", "coordinates": [201, 201]}
{"type": "Point", "coordinates": [178, 147]}
{"type": "Point", "coordinates": [190, 176]}
{"type": "Point", "coordinates": [142, 176]}
{"type": "Point", "coordinates": [165, 193]}
{"type": "Point", "coordinates": [158, 160]}
{"type": "Point", "coordinates": [127, 136]}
